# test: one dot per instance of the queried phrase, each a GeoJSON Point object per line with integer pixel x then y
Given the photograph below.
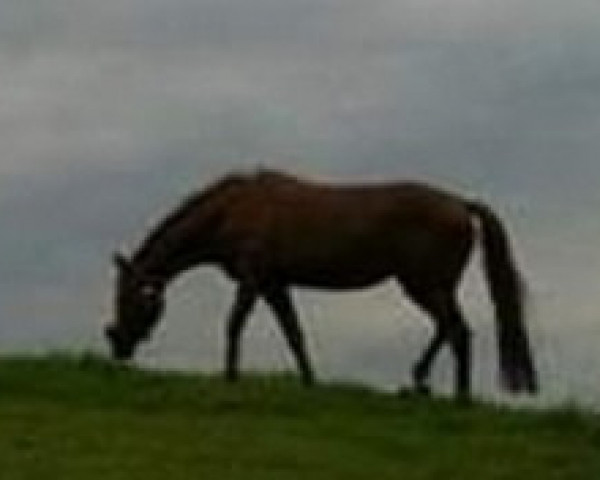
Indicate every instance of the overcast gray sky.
{"type": "Point", "coordinates": [111, 111]}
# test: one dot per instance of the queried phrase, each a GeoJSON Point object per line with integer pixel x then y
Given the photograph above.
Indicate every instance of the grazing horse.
{"type": "Point", "coordinates": [270, 231]}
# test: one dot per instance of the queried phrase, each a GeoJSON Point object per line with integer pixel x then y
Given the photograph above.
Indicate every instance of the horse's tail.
{"type": "Point", "coordinates": [507, 292]}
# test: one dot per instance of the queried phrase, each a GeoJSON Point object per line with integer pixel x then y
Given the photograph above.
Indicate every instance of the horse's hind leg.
{"type": "Point", "coordinates": [280, 302]}
{"type": "Point", "coordinates": [450, 326]}
{"type": "Point", "coordinates": [422, 369]}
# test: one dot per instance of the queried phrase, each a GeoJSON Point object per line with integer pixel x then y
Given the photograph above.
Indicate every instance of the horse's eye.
{"type": "Point", "coordinates": [148, 291]}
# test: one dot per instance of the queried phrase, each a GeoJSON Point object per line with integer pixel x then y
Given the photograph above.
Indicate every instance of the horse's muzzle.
{"type": "Point", "coordinates": [121, 349]}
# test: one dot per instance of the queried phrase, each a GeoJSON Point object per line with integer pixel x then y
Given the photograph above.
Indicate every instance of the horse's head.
{"type": "Point", "coordinates": [139, 302]}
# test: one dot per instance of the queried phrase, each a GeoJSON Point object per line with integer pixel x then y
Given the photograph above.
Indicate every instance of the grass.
{"type": "Point", "coordinates": [80, 417]}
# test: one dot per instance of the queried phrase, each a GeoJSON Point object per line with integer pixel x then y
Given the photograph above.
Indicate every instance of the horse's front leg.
{"type": "Point", "coordinates": [242, 306]}
{"type": "Point", "coordinates": [280, 302]}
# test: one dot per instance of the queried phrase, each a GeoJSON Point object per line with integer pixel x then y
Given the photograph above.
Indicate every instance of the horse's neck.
{"type": "Point", "coordinates": [154, 261]}
{"type": "Point", "coordinates": [169, 251]}
{"type": "Point", "coordinates": [185, 238]}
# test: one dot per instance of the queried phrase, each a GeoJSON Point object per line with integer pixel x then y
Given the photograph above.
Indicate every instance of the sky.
{"type": "Point", "coordinates": [113, 111]}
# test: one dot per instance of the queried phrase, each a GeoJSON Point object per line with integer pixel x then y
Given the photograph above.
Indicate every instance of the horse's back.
{"type": "Point", "coordinates": [285, 199]}
{"type": "Point", "coordinates": [345, 235]}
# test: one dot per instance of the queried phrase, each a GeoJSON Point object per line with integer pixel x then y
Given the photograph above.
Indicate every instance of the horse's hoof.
{"type": "Point", "coordinates": [416, 391]}
{"type": "Point", "coordinates": [309, 380]}
{"type": "Point", "coordinates": [423, 390]}
{"type": "Point", "coordinates": [463, 400]}
{"type": "Point", "coordinates": [405, 392]}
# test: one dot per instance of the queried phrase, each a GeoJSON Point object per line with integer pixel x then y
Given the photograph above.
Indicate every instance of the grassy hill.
{"type": "Point", "coordinates": [65, 417]}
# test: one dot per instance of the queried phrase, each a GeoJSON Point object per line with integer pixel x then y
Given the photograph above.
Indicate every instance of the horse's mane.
{"type": "Point", "coordinates": [203, 197]}
{"type": "Point", "coordinates": [190, 203]}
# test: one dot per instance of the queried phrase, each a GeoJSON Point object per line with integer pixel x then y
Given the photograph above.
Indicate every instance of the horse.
{"type": "Point", "coordinates": [269, 231]}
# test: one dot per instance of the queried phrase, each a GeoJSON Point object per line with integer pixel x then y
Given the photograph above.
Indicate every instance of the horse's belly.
{"type": "Point", "coordinates": [326, 282]}
{"type": "Point", "coordinates": [346, 274]}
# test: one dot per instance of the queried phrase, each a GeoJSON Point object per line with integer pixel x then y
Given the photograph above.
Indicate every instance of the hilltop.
{"type": "Point", "coordinates": [81, 417]}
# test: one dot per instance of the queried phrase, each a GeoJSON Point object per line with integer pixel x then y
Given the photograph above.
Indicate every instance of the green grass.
{"type": "Point", "coordinates": [79, 417]}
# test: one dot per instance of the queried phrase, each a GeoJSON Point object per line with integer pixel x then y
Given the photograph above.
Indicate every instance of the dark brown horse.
{"type": "Point", "coordinates": [270, 231]}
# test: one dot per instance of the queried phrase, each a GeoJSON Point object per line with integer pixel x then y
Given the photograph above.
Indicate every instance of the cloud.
{"type": "Point", "coordinates": [106, 83]}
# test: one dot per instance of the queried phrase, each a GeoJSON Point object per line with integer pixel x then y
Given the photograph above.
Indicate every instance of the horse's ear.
{"type": "Point", "coordinates": [121, 262]}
